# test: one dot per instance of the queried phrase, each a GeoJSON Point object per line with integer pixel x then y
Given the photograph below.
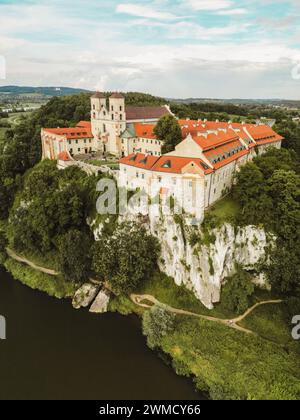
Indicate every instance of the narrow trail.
{"type": "Point", "coordinates": [24, 260]}
{"type": "Point", "coordinates": [232, 323]}
{"type": "Point", "coordinates": [138, 299]}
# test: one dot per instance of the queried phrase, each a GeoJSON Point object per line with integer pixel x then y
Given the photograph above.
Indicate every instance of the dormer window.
{"type": "Point", "coordinates": [167, 164]}
{"type": "Point", "coordinates": [133, 158]}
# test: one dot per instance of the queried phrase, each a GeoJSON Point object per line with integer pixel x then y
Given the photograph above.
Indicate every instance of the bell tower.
{"type": "Point", "coordinates": [98, 113]}
{"type": "Point", "coordinates": [108, 121]}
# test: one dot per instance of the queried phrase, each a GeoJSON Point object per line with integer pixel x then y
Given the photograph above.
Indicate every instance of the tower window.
{"type": "Point", "coordinates": [94, 107]}
{"type": "Point", "coordinates": [112, 116]}
{"type": "Point", "coordinates": [104, 128]}
{"type": "Point", "coordinates": [120, 108]}
{"type": "Point", "coordinates": [112, 108]}
{"type": "Point", "coordinates": [121, 117]}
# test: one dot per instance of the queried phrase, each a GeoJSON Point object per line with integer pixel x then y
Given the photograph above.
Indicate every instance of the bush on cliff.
{"type": "Point", "coordinates": [125, 258]}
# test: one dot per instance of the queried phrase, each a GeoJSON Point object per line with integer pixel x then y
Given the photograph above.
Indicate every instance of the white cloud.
{"type": "Point", "coordinates": [189, 30]}
{"type": "Point", "coordinates": [209, 4]}
{"type": "Point", "coordinates": [232, 12]}
{"type": "Point", "coordinates": [144, 11]}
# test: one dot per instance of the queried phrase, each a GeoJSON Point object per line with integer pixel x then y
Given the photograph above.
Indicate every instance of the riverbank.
{"type": "Point", "coordinates": [209, 352]}
{"type": "Point", "coordinates": [54, 352]}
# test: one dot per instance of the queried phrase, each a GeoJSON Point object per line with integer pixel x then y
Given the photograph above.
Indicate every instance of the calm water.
{"type": "Point", "coordinates": [55, 352]}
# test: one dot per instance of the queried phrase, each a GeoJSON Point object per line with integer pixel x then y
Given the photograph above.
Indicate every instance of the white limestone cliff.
{"type": "Point", "coordinates": [204, 268]}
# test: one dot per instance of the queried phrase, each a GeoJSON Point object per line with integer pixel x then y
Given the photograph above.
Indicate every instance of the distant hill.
{"type": "Point", "coordinates": [235, 101]}
{"type": "Point", "coordinates": [47, 91]}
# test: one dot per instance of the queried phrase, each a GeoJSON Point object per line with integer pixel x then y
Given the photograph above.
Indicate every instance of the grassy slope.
{"type": "Point", "coordinates": [224, 210]}
{"type": "Point", "coordinates": [224, 362]}
{"type": "Point", "coordinates": [232, 365]}
{"type": "Point", "coordinates": [54, 286]}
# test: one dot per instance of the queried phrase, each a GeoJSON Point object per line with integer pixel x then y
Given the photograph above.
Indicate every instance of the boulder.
{"type": "Point", "coordinates": [85, 295]}
{"type": "Point", "coordinates": [100, 304]}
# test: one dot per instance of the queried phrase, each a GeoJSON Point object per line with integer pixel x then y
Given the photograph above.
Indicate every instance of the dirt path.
{"type": "Point", "coordinates": [232, 323]}
{"type": "Point", "coordinates": [138, 299]}
{"type": "Point", "coordinates": [24, 260]}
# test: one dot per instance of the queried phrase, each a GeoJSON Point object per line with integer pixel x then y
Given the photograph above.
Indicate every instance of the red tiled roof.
{"type": "Point", "coordinates": [231, 151]}
{"type": "Point", "coordinates": [213, 140]}
{"type": "Point", "coordinates": [139, 160]}
{"type": "Point", "coordinates": [145, 112]}
{"type": "Point", "coordinates": [230, 159]}
{"type": "Point", "coordinates": [169, 164]}
{"type": "Point", "coordinates": [71, 133]}
{"type": "Point", "coordinates": [175, 164]}
{"type": "Point", "coordinates": [64, 156]}
{"type": "Point", "coordinates": [263, 134]}
{"type": "Point", "coordinates": [85, 124]}
{"type": "Point", "coordinates": [144, 130]}
{"type": "Point", "coordinates": [98, 95]}
{"type": "Point", "coordinates": [117, 95]}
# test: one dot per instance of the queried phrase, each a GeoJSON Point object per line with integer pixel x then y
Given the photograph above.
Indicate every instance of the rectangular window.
{"type": "Point", "coordinates": [78, 149]}
{"type": "Point", "coordinates": [121, 117]}
{"type": "Point", "coordinates": [120, 109]}
{"type": "Point", "coordinates": [112, 116]}
{"type": "Point", "coordinates": [76, 141]}
{"type": "Point", "coordinates": [137, 174]}
{"type": "Point", "coordinates": [143, 176]}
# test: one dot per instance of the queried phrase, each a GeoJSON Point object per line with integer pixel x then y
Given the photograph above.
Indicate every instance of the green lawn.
{"type": "Point", "coordinates": [111, 164]}
{"type": "Point", "coordinates": [225, 210]}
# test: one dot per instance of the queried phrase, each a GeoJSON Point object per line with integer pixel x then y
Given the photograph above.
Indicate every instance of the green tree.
{"type": "Point", "coordinates": [3, 245]}
{"type": "Point", "coordinates": [74, 255]}
{"type": "Point", "coordinates": [126, 258]}
{"type": "Point", "coordinates": [157, 323]}
{"type": "Point", "coordinates": [250, 193]}
{"type": "Point", "coordinates": [237, 291]}
{"type": "Point", "coordinates": [169, 131]}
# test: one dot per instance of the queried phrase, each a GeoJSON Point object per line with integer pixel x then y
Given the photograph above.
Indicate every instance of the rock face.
{"type": "Point", "coordinates": [85, 295]}
{"type": "Point", "coordinates": [101, 302]}
{"type": "Point", "coordinates": [203, 268]}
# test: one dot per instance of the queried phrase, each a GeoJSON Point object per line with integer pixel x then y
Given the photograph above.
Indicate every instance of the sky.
{"type": "Point", "coordinates": [170, 48]}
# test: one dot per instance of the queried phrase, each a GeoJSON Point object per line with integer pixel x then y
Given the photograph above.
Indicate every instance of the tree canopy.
{"type": "Point", "coordinates": [125, 258]}
{"type": "Point", "coordinates": [268, 191]}
{"type": "Point", "coordinates": [169, 131]}
{"type": "Point", "coordinates": [157, 323]}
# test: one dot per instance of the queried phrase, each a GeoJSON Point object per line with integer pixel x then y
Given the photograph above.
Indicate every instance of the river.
{"type": "Point", "coordinates": [55, 352]}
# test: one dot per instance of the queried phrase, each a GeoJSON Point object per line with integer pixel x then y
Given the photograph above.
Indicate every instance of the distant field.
{"type": "Point", "coordinates": [13, 120]}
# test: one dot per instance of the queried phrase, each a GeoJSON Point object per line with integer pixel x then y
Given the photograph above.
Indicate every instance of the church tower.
{"type": "Point", "coordinates": [108, 122]}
